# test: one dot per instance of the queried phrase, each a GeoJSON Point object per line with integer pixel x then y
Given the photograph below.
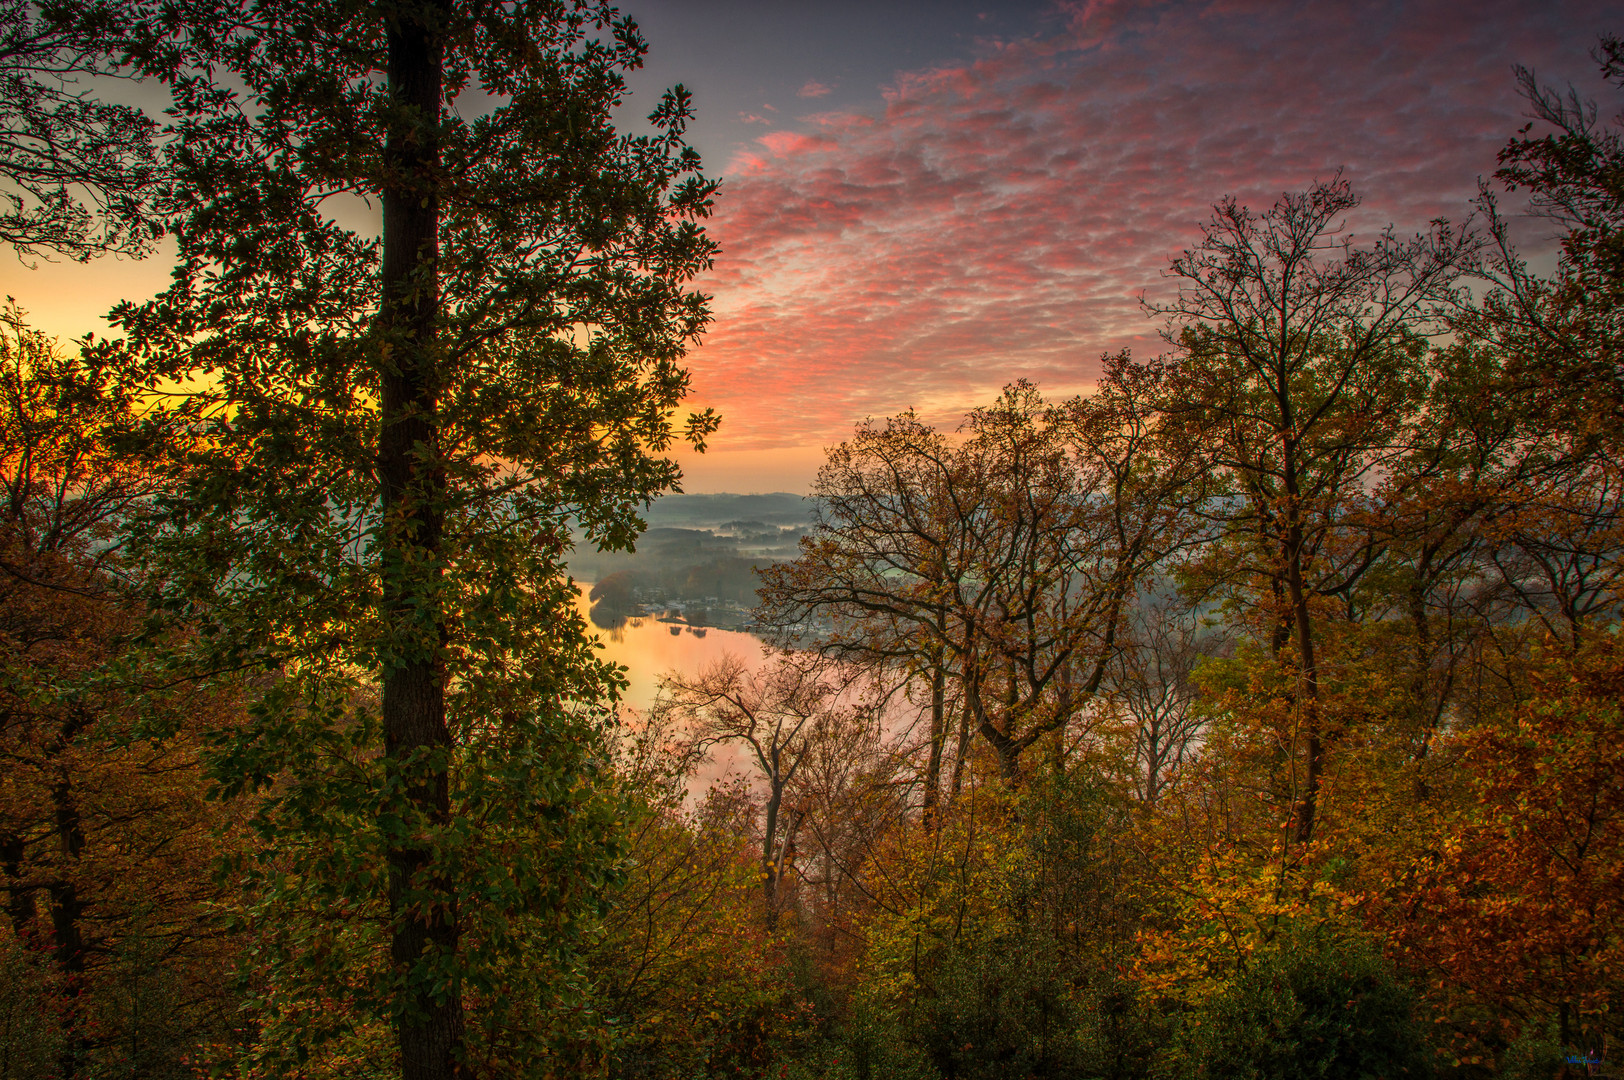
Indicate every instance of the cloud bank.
{"type": "Point", "coordinates": [1002, 218]}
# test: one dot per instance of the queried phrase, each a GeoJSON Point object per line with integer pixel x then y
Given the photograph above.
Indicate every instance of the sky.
{"type": "Point", "coordinates": [924, 201]}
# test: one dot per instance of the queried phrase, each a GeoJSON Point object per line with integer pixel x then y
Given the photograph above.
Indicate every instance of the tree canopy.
{"type": "Point", "coordinates": [378, 441]}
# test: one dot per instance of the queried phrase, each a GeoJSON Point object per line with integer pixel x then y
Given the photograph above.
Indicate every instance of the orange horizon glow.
{"type": "Point", "coordinates": [1001, 216]}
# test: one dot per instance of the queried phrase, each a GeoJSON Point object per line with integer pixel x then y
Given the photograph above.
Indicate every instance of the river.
{"type": "Point", "coordinates": [648, 649]}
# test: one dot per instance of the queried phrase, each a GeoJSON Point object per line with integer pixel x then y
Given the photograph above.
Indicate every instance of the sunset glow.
{"type": "Point", "coordinates": [920, 241]}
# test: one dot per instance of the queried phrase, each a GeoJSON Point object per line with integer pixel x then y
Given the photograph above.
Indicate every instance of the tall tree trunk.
{"type": "Point", "coordinates": [938, 736]}
{"type": "Point", "coordinates": [422, 898]}
{"type": "Point", "coordinates": [67, 935]}
{"type": "Point", "coordinates": [1280, 631]}
{"type": "Point", "coordinates": [1307, 671]}
{"type": "Point", "coordinates": [769, 851]}
{"type": "Point", "coordinates": [1308, 704]}
{"type": "Point", "coordinates": [961, 757]}
{"type": "Point", "coordinates": [19, 897]}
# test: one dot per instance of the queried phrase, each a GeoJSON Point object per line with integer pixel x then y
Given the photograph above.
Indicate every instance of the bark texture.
{"type": "Point", "coordinates": [422, 900]}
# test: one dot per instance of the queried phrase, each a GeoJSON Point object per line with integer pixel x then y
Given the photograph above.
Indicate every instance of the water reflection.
{"type": "Point", "coordinates": [648, 648]}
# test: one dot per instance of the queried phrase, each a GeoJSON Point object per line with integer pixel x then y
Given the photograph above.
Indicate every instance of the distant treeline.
{"type": "Point", "coordinates": [695, 563]}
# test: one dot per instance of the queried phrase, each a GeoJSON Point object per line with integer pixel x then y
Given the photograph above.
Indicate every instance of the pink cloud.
{"type": "Point", "coordinates": [792, 143]}
{"type": "Point", "coordinates": [814, 89]}
{"type": "Point", "coordinates": [1001, 218]}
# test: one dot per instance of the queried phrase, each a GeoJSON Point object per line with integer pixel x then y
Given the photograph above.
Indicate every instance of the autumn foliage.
{"type": "Point", "coordinates": [1516, 914]}
{"type": "Point", "coordinates": [1259, 714]}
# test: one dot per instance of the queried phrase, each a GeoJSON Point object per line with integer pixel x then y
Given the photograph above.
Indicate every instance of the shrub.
{"type": "Point", "coordinates": [1310, 1008]}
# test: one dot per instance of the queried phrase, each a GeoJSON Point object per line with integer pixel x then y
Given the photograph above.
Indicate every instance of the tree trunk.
{"type": "Point", "coordinates": [938, 736]}
{"type": "Point", "coordinates": [1307, 671]}
{"type": "Point", "coordinates": [19, 897]}
{"type": "Point", "coordinates": [1007, 749]}
{"type": "Point", "coordinates": [422, 899]}
{"type": "Point", "coordinates": [960, 759]}
{"type": "Point", "coordinates": [769, 851]}
{"type": "Point", "coordinates": [67, 937]}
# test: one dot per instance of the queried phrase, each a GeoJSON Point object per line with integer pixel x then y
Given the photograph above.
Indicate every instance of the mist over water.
{"type": "Point", "coordinates": [648, 649]}
{"type": "Point", "coordinates": [687, 536]}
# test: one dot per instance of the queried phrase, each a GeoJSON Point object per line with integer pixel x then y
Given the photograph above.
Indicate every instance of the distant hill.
{"type": "Point", "coordinates": [779, 509]}
{"type": "Point", "coordinates": [700, 548]}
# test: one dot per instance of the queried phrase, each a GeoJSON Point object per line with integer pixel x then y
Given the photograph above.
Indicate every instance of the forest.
{"type": "Point", "coordinates": [1256, 714]}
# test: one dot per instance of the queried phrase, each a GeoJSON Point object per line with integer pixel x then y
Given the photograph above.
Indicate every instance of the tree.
{"type": "Point", "coordinates": [691, 979]}
{"type": "Point", "coordinates": [1054, 560]}
{"type": "Point", "coordinates": [1008, 560]}
{"type": "Point", "coordinates": [1152, 686]}
{"type": "Point", "coordinates": [1563, 335]}
{"type": "Point", "coordinates": [997, 940]}
{"type": "Point", "coordinates": [887, 541]}
{"type": "Point", "coordinates": [781, 714]}
{"type": "Point", "coordinates": [1301, 359]}
{"type": "Point", "coordinates": [105, 839]}
{"type": "Point", "coordinates": [83, 173]}
{"type": "Point", "coordinates": [1311, 1007]}
{"type": "Point", "coordinates": [1476, 455]}
{"type": "Point", "coordinates": [1513, 909]}
{"type": "Point", "coordinates": [1557, 340]}
{"type": "Point", "coordinates": [386, 437]}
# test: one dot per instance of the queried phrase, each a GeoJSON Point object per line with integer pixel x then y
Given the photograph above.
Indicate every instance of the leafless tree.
{"type": "Point", "coordinates": [791, 714]}
{"type": "Point", "coordinates": [1004, 560]}
{"type": "Point", "coordinates": [1152, 685]}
